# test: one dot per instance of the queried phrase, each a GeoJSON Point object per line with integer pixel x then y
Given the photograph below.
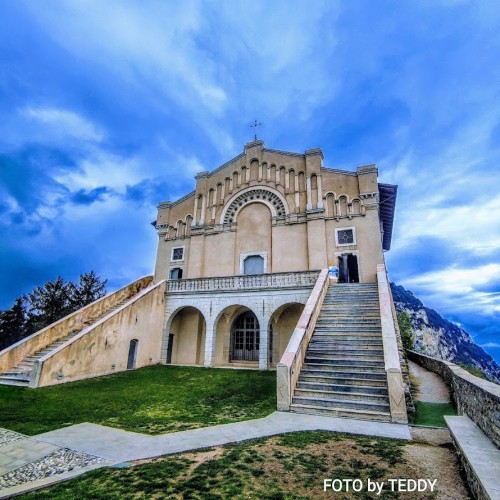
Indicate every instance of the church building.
{"type": "Point", "coordinates": [242, 251]}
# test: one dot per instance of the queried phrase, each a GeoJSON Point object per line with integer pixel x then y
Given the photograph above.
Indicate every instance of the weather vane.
{"type": "Point", "coordinates": [254, 125]}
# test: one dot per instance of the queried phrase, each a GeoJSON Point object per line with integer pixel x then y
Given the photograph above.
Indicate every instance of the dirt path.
{"type": "Point", "coordinates": [431, 387]}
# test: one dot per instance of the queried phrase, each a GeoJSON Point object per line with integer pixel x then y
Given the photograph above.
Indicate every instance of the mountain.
{"type": "Point", "coordinates": [441, 338]}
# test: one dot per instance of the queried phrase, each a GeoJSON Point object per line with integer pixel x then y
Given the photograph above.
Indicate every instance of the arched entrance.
{"type": "Point", "coordinates": [281, 326]}
{"type": "Point", "coordinates": [184, 339]}
{"type": "Point", "coordinates": [245, 338]}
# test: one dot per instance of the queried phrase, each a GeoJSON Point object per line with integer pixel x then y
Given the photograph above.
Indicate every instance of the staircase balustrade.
{"type": "Point", "coordinates": [289, 367]}
{"type": "Point", "coordinates": [244, 282]}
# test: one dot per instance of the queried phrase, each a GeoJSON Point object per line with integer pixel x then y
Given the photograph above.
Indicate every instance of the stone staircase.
{"type": "Point", "coordinates": [20, 374]}
{"type": "Point", "coordinates": [343, 372]}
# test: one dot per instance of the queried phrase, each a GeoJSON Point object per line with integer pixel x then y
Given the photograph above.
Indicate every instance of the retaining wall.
{"type": "Point", "coordinates": [475, 397]}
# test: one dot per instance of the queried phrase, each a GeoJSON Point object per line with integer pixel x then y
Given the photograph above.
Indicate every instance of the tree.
{"type": "Point", "coordinates": [88, 290]}
{"type": "Point", "coordinates": [13, 323]}
{"type": "Point", "coordinates": [49, 303]}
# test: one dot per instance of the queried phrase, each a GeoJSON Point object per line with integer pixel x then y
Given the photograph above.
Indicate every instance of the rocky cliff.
{"type": "Point", "coordinates": [438, 337]}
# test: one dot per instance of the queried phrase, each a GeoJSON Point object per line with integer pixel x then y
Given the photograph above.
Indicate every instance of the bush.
{"type": "Point", "coordinates": [407, 335]}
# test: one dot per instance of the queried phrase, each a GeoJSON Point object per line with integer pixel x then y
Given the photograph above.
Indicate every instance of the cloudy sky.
{"type": "Point", "coordinates": [107, 108]}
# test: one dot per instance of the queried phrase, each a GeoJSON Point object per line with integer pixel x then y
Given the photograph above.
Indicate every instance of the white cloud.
{"type": "Point", "coordinates": [64, 122]}
{"type": "Point", "coordinates": [456, 289]}
{"type": "Point", "coordinates": [152, 41]}
{"type": "Point", "coordinates": [491, 345]}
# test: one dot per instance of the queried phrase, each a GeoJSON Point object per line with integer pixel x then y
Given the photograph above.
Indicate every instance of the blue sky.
{"type": "Point", "coordinates": [109, 107]}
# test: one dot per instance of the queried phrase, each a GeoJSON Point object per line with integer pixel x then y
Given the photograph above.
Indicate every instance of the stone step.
{"type": "Point", "coordinates": [344, 396]}
{"type": "Point", "coordinates": [342, 403]}
{"type": "Point", "coordinates": [340, 379]}
{"type": "Point", "coordinates": [13, 373]}
{"type": "Point", "coordinates": [346, 344]}
{"type": "Point", "coordinates": [24, 365]}
{"type": "Point", "coordinates": [334, 319]}
{"type": "Point", "coordinates": [344, 368]}
{"type": "Point", "coordinates": [6, 380]}
{"type": "Point", "coordinates": [351, 355]}
{"type": "Point", "coordinates": [331, 347]}
{"type": "Point", "coordinates": [341, 412]}
{"type": "Point", "coordinates": [350, 303]}
{"type": "Point", "coordinates": [308, 385]}
{"type": "Point", "coordinates": [323, 336]}
{"type": "Point", "coordinates": [336, 359]}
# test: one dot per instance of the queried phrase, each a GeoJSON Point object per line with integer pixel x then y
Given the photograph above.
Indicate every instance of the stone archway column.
{"type": "Point", "coordinates": [210, 342]}
{"type": "Point", "coordinates": [263, 344]}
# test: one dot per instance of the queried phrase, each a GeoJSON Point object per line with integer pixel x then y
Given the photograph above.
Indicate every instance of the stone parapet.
{"type": "Point", "coordinates": [395, 383]}
{"type": "Point", "coordinates": [244, 282]}
{"type": "Point", "coordinates": [473, 396]}
{"type": "Point", "coordinates": [289, 367]}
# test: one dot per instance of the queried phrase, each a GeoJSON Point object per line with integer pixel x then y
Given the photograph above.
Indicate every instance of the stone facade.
{"type": "Point", "coordinates": [262, 201]}
{"type": "Point", "coordinates": [275, 214]}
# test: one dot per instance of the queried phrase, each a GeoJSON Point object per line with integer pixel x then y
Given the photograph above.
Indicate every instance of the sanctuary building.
{"type": "Point", "coordinates": [248, 244]}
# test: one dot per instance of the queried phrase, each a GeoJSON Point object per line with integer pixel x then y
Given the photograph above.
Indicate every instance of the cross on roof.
{"type": "Point", "coordinates": [254, 125]}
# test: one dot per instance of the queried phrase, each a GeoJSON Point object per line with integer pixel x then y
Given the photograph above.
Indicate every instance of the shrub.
{"type": "Point", "coordinates": [407, 335]}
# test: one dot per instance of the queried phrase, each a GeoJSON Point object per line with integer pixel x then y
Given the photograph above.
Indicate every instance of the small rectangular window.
{"type": "Point", "coordinates": [345, 236]}
{"type": "Point", "coordinates": [177, 253]}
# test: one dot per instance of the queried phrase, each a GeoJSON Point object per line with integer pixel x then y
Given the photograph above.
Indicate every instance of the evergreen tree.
{"type": "Point", "coordinates": [13, 323]}
{"type": "Point", "coordinates": [49, 303]}
{"type": "Point", "coordinates": [88, 290]}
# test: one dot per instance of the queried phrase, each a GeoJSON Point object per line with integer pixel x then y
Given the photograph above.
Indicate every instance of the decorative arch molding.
{"type": "Point", "coordinates": [270, 197]}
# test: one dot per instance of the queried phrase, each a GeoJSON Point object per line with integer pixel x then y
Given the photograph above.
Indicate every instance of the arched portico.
{"type": "Point", "coordinates": [220, 308]}
{"type": "Point", "coordinates": [281, 326]}
{"type": "Point", "coordinates": [238, 336]}
{"type": "Point", "coordinates": [184, 337]}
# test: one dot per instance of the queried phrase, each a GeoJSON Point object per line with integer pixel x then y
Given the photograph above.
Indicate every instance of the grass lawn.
{"type": "Point", "coordinates": [291, 466]}
{"type": "Point", "coordinates": [152, 400]}
{"type": "Point", "coordinates": [432, 413]}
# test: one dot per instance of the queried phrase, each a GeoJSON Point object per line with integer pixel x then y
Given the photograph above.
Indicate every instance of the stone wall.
{"type": "Point", "coordinates": [76, 321]}
{"type": "Point", "coordinates": [103, 348]}
{"type": "Point", "coordinates": [473, 396]}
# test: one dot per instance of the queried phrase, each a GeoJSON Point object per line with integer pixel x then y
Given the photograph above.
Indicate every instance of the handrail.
{"type": "Point", "coordinates": [291, 362]}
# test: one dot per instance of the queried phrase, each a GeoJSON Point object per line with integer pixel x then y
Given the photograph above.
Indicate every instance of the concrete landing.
{"type": "Point", "coordinates": [119, 445]}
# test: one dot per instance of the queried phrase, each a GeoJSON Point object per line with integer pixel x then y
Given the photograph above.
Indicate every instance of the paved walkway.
{"type": "Point", "coordinates": [432, 388]}
{"type": "Point", "coordinates": [119, 445]}
{"type": "Point", "coordinates": [115, 445]}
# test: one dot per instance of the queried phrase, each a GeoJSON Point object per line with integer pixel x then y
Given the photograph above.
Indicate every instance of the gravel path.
{"type": "Point", "coordinates": [7, 437]}
{"type": "Point", "coordinates": [25, 459]}
{"type": "Point", "coordinates": [431, 387]}
{"type": "Point", "coordinates": [62, 460]}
